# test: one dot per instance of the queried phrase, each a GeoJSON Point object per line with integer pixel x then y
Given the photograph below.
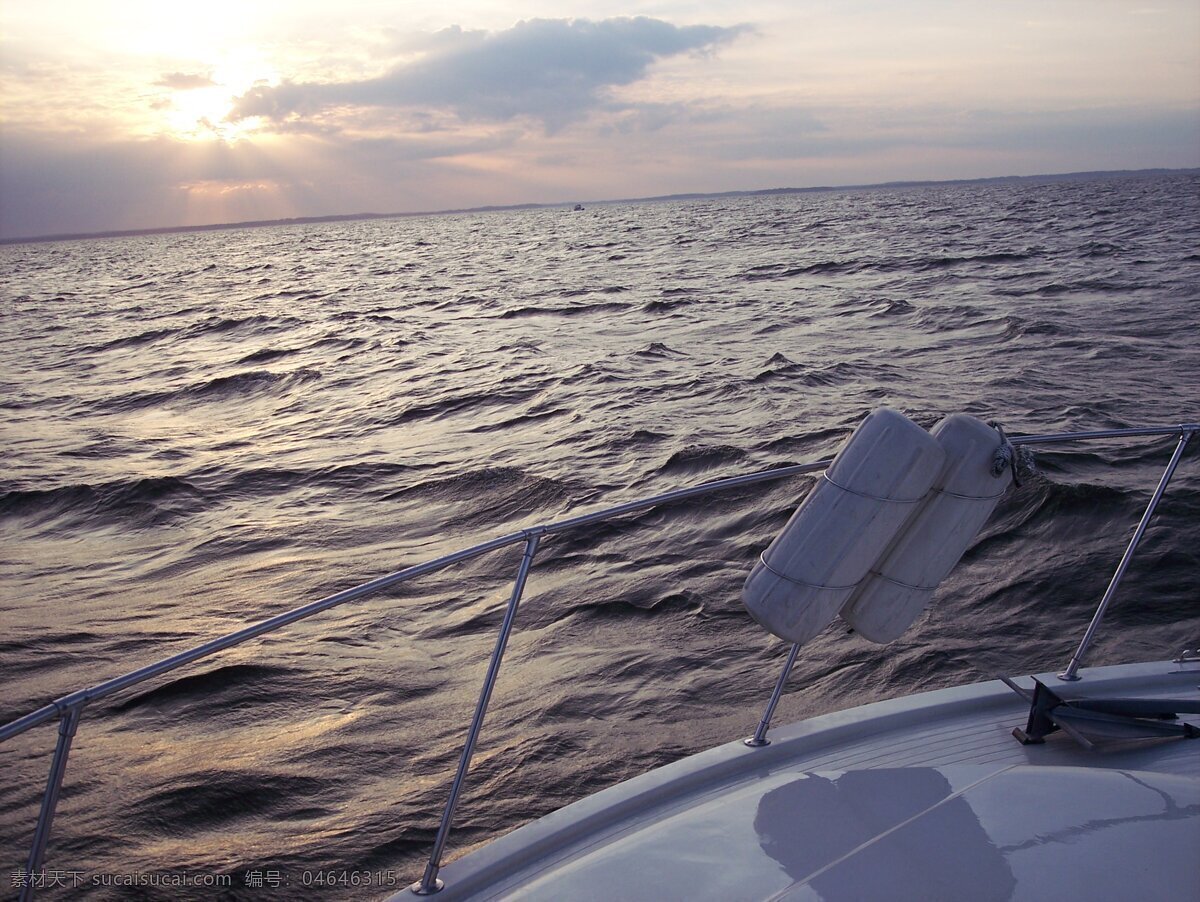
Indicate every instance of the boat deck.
{"type": "Point", "coordinates": [923, 797]}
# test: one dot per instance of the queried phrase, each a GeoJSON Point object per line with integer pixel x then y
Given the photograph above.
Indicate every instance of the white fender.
{"type": "Point", "coordinates": [926, 550]}
{"type": "Point", "coordinates": [840, 530]}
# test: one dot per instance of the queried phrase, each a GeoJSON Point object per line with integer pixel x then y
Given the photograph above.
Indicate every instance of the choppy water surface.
{"type": "Point", "coordinates": [201, 430]}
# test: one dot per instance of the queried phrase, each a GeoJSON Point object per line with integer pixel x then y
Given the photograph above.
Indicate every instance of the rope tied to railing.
{"type": "Point", "coordinates": [1004, 457]}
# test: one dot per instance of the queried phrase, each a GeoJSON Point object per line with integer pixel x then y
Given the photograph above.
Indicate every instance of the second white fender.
{"type": "Point", "coordinates": [848, 520]}
{"type": "Point", "coordinates": [932, 542]}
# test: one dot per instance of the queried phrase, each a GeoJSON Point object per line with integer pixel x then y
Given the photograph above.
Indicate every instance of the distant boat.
{"type": "Point", "coordinates": [578, 207]}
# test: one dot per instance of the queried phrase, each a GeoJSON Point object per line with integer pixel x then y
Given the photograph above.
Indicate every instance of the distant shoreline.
{"type": "Point", "coordinates": [662, 198]}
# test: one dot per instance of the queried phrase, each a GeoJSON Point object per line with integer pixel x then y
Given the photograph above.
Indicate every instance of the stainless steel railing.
{"type": "Point", "coordinates": [1185, 433]}
{"type": "Point", "coordinates": [1072, 671]}
{"type": "Point", "coordinates": [69, 708]}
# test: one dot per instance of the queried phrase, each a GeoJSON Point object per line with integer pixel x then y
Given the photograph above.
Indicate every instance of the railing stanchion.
{"type": "Point", "coordinates": [1071, 673]}
{"type": "Point", "coordinates": [429, 883]}
{"type": "Point", "coordinates": [760, 735]}
{"type": "Point", "coordinates": [58, 767]}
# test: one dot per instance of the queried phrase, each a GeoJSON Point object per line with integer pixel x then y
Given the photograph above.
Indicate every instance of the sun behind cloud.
{"type": "Point", "coordinates": [198, 106]}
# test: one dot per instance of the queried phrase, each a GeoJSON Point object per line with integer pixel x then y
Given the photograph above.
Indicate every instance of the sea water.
{"type": "Point", "coordinates": [204, 429]}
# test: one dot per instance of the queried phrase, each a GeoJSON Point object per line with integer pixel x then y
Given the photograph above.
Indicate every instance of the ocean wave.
{"type": "Point", "coordinates": [779, 271]}
{"type": "Point", "coordinates": [220, 388]}
{"type": "Point", "coordinates": [490, 495]}
{"type": "Point", "coordinates": [922, 264]}
{"type": "Point", "coordinates": [472, 401]}
{"type": "Point", "coordinates": [700, 458]}
{"type": "Point", "coordinates": [665, 305]}
{"type": "Point", "coordinates": [658, 350]}
{"type": "Point", "coordinates": [266, 355]}
{"type": "Point", "coordinates": [562, 310]}
{"type": "Point", "coordinates": [1042, 510]}
{"type": "Point", "coordinates": [132, 341]}
{"type": "Point", "coordinates": [138, 503]}
{"type": "Point", "coordinates": [641, 602]}
{"type": "Point", "coordinates": [783, 271]}
{"type": "Point", "coordinates": [581, 292]}
{"type": "Point", "coordinates": [230, 684]}
{"type": "Point", "coordinates": [894, 307]}
{"type": "Point", "coordinates": [199, 802]}
{"type": "Point", "coordinates": [835, 374]}
{"type": "Point", "coordinates": [537, 414]}
{"type": "Point", "coordinates": [263, 482]}
{"type": "Point", "coordinates": [150, 283]}
{"type": "Point", "coordinates": [218, 324]}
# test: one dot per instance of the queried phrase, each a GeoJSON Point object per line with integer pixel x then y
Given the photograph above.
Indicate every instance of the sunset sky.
{"type": "Point", "coordinates": [140, 114]}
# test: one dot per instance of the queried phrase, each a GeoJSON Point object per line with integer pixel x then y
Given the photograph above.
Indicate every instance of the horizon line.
{"type": "Point", "coordinates": [660, 198]}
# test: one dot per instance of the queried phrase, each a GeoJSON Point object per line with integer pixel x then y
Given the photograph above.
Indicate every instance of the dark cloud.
{"type": "Point", "coordinates": [555, 70]}
{"type": "Point", "coordinates": [182, 81]}
{"type": "Point", "coordinates": [51, 186]}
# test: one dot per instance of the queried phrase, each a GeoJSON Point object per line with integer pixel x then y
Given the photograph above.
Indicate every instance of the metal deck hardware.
{"type": "Point", "coordinates": [760, 735]}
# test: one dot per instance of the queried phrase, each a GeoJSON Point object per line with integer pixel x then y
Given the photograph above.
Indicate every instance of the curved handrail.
{"type": "Point", "coordinates": [1183, 429]}
{"type": "Point", "coordinates": [68, 709]}
{"type": "Point", "coordinates": [81, 697]}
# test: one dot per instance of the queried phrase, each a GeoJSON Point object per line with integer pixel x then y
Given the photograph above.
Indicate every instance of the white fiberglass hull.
{"type": "Point", "coordinates": [925, 797]}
